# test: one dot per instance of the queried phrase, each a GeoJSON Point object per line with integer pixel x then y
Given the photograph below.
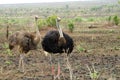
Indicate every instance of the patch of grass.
{"type": "Point", "coordinates": [80, 49]}
{"type": "Point", "coordinates": [5, 45]}
{"type": "Point", "coordinates": [118, 37]}
{"type": "Point", "coordinates": [7, 50]}
{"type": "Point", "coordinates": [8, 62]}
{"type": "Point", "coordinates": [78, 19]}
{"type": "Point", "coordinates": [94, 75]}
{"type": "Point", "coordinates": [111, 31]}
{"type": "Point", "coordinates": [116, 48]}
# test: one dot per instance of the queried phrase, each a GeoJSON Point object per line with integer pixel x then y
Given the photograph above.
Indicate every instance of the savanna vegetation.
{"type": "Point", "coordinates": [94, 27]}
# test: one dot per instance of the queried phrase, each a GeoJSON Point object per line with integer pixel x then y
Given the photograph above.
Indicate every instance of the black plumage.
{"type": "Point", "coordinates": [51, 44]}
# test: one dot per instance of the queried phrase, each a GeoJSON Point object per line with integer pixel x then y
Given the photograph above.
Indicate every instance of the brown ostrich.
{"type": "Point", "coordinates": [25, 41]}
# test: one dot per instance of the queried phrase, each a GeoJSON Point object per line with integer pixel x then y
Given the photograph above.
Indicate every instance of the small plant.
{"type": "Point", "coordinates": [80, 49]}
{"type": "Point", "coordinates": [70, 26]}
{"type": "Point", "coordinates": [116, 20]}
{"type": "Point", "coordinates": [94, 75]}
{"type": "Point", "coordinates": [109, 18]}
{"type": "Point", "coordinates": [78, 19]}
{"type": "Point", "coordinates": [111, 31]}
{"type": "Point", "coordinates": [7, 50]}
{"type": "Point", "coordinates": [5, 45]}
{"type": "Point", "coordinates": [113, 20]}
{"type": "Point", "coordinates": [91, 19]}
{"type": "Point", "coordinates": [116, 48]}
{"type": "Point", "coordinates": [8, 62]}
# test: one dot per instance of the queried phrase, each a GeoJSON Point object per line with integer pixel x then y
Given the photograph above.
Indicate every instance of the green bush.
{"type": "Point", "coordinates": [51, 20]}
{"type": "Point", "coordinates": [116, 20]}
{"type": "Point", "coordinates": [41, 23]}
{"type": "Point", "coordinates": [78, 19]}
{"type": "Point", "coordinates": [70, 26]}
{"type": "Point", "coordinates": [113, 19]}
{"type": "Point", "coordinates": [109, 18]}
{"type": "Point", "coordinates": [91, 19]}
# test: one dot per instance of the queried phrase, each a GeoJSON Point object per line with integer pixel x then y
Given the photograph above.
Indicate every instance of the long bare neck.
{"type": "Point", "coordinates": [61, 40]}
{"type": "Point", "coordinates": [59, 28]}
{"type": "Point", "coordinates": [38, 36]}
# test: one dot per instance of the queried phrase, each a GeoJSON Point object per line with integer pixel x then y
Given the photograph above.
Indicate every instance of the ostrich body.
{"type": "Point", "coordinates": [25, 41]}
{"type": "Point", "coordinates": [52, 44]}
{"type": "Point", "coordinates": [55, 41]}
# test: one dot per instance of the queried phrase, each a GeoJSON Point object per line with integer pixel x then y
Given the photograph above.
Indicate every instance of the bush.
{"type": "Point", "coordinates": [41, 23]}
{"type": "Point", "coordinates": [78, 19]}
{"type": "Point", "coordinates": [91, 19]}
{"type": "Point", "coordinates": [70, 26]}
{"type": "Point", "coordinates": [51, 21]}
{"type": "Point", "coordinates": [109, 18]}
{"type": "Point", "coordinates": [116, 20]}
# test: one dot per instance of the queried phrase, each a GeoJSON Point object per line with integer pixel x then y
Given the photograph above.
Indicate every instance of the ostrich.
{"type": "Point", "coordinates": [55, 41]}
{"type": "Point", "coordinates": [25, 41]}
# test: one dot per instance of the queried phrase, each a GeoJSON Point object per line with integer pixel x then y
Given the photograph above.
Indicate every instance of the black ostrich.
{"type": "Point", "coordinates": [25, 41]}
{"type": "Point", "coordinates": [55, 41]}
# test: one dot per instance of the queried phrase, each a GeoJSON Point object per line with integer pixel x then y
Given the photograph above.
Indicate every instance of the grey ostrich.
{"type": "Point", "coordinates": [25, 41]}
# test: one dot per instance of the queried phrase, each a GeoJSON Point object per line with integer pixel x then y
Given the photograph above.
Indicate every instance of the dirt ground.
{"type": "Point", "coordinates": [98, 48]}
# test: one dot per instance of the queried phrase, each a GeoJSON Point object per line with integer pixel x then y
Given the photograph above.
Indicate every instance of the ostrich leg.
{"type": "Point", "coordinates": [21, 63]}
{"type": "Point", "coordinates": [69, 67]}
{"type": "Point", "coordinates": [59, 71]}
{"type": "Point", "coordinates": [52, 67]}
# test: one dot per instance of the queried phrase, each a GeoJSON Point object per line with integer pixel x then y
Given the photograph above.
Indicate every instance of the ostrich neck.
{"type": "Point", "coordinates": [59, 29]}
{"type": "Point", "coordinates": [38, 36]}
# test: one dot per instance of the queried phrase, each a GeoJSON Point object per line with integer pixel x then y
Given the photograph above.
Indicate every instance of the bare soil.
{"type": "Point", "coordinates": [101, 50]}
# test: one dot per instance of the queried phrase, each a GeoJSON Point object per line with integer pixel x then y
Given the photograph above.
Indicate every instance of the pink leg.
{"type": "Point", "coordinates": [53, 71]}
{"type": "Point", "coordinates": [58, 74]}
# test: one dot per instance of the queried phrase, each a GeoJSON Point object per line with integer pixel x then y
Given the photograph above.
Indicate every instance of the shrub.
{"type": "Point", "coordinates": [41, 23]}
{"type": "Point", "coordinates": [109, 18]}
{"type": "Point", "coordinates": [78, 19]}
{"type": "Point", "coordinates": [70, 26]}
{"type": "Point", "coordinates": [51, 20]}
{"type": "Point", "coordinates": [91, 19]}
{"type": "Point", "coordinates": [116, 20]}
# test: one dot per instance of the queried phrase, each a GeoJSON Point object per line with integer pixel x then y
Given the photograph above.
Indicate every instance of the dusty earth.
{"type": "Point", "coordinates": [98, 48]}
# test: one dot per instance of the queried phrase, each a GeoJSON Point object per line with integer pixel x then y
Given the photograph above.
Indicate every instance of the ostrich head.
{"type": "Point", "coordinates": [36, 18]}
{"type": "Point", "coordinates": [61, 40]}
